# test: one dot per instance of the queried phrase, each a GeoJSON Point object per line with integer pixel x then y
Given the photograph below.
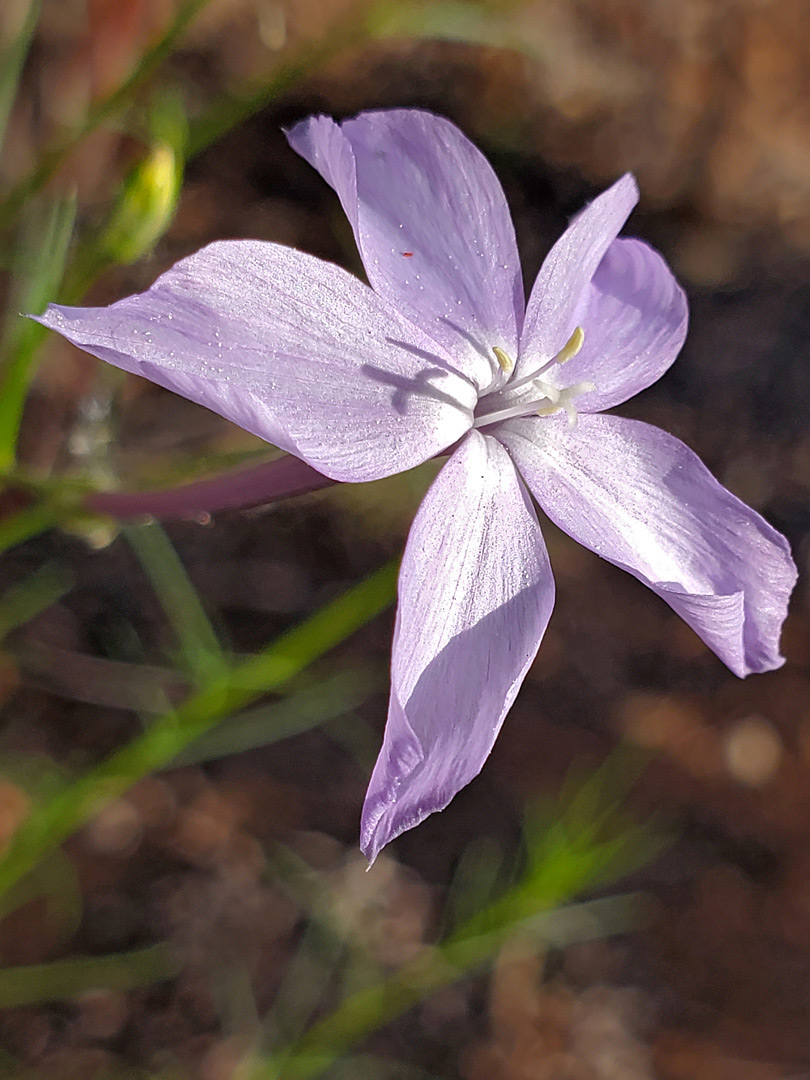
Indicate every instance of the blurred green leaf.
{"type": "Point", "coordinates": [51, 822]}
{"type": "Point", "coordinates": [359, 739]}
{"type": "Point", "coordinates": [12, 58]}
{"type": "Point", "coordinates": [40, 256]}
{"type": "Point", "coordinates": [305, 983]}
{"type": "Point", "coordinates": [35, 984]}
{"type": "Point", "coordinates": [40, 265]}
{"type": "Point", "coordinates": [39, 776]}
{"type": "Point", "coordinates": [301, 711]}
{"type": "Point", "coordinates": [304, 885]}
{"type": "Point", "coordinates": [55, 881]}
{"type": "Point", "coordinates": [447, 20]}
{"type": "Point", "coordinates": [202, 653]}
{"type": "Point", "coordinates": [98, 680]}
{"type": "Point", "coordinates": [25, 524]}
{"type": "Point", "coordinates": [231, 989]}
{"type": "Point", "coordinates": [581, 841]}
{"type": "Point", "coordinates": [477, 878]}
{"type": "Point", "coordinates": [22, 602]}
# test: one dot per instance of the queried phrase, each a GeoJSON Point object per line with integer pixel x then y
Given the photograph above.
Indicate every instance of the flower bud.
{"type": "Point", "coordinates": [145, 205]}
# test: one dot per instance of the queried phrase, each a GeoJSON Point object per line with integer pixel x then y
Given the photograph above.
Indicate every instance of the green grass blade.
{"type": "Point", "coordinates": [51, 823]}
{"type": "Point", "coordinates": [12, 58]}
{"type": "Point", "coordinates": [22, 602]}
{"type": "Point", "coordinates": [321, 632]}
{"type": "Point", "coordinates": [478, 875]}
{"type": "Point", "coordinates": [299, 712]}
{"type": "Point", "coordinates": [199, 645]}
{"type": "Point", "coordinates": [34, 984]}
{"type": "Point", "coordinates": [304, 985]}
{"type": "Point", "coordinates": [41, 266]}
{"type": "Point", "coordinates": [586, 834]}
{"type": "Point", "coordinates": [26, 523]}
{"type": "Point", "coordinates": [472, 23]}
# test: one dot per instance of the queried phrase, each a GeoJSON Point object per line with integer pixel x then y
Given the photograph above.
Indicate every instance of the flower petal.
{"type": "Point", "coordinates": [475, 596]}
{"type": "Point", "coordinates": [560, 290]}
{"type": "Point", "coordinates": [432, 225]}
{"type": "Point", "coordinates": [635, 319]}
{"type": "Point", "coordinates": [641, 499]}
{"type": "Point", "coordinates": [291, 348]}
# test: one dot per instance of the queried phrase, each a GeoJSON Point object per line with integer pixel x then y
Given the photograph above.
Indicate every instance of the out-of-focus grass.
{"type": "Point", "coordinates": [201, 654]}
{"type": "Point", "coordinates": [38, 591]}
{"type": "Point", "coordinates": [49, 824]}
{"type": "Point", "coordinates": [35, 983]}
{"type": "Point", "coordinates": [12, 58]}
{"type": "Point", "coordinates": [327, 1040]}
{"type": "Point", "coordinates": [576, 844]}
{"type": "Point", "coordinates": [573, 845]}
{"type": "Point", "coordinates": [26, 523]}
{"type": "Point", "coordinates": [299, 711]}
{"type": "Point", "coordinates": [43, 250]}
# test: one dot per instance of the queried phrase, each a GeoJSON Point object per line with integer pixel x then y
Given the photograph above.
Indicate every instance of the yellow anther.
{"type": "Point", "coordinates": [571, 347]}
{"type": "Point", "coordinates": [504, 359]}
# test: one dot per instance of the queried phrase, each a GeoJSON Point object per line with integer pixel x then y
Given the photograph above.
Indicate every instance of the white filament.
{"type": "Point", "coordinates": [551, 398]}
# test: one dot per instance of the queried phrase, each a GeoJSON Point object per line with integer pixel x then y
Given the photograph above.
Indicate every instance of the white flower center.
{"type": "Point", "coordinates": [532, 395]}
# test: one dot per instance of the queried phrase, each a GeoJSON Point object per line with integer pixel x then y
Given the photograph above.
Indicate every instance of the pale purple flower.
{"type": "Point", "coordinates": [441, 354]}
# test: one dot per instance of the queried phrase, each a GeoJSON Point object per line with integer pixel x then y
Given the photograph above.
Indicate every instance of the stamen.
{"type": "Point", "coordinates": [553, 400]}
{"type": "Point", "coordinates": [566, 353]}
{"type": "Point", "coordinates": [571, 347]}
{"type": "Point", "coordinates": [503, 359]}
{"type": "Point", "coordinates": [525, 408]}
{"type": "Point", "coordinates": [547, 398]}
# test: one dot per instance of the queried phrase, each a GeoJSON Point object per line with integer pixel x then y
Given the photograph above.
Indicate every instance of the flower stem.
{"type": "Point", "coordinates": [252, 486]}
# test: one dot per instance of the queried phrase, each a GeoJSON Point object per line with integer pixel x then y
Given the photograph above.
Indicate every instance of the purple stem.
{"type": "Point", "coordinates": [252, 486]}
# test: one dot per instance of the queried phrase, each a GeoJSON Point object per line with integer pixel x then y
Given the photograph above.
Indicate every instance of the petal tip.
{"type": "Point", "coordinates": [374, 835]}
{"type": "Point", "coordinates": [384, 819]}
{"type": "Point", "coordinates": [302, 136]}
{"type": "Point", "coordinates": [71, 322]}
{"type": "Point", "coordinates": [50, 317]}
{"type": "Point", "coordinates": [628, 180]}
{"type": "Point", "coordinates": [626, 191]}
